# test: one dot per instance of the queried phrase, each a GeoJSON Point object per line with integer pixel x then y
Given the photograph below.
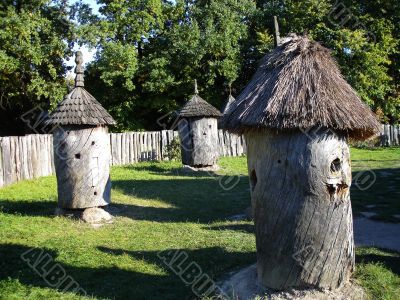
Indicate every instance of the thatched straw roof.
{"type": "Point", "coordinates": [299, 85]}
{"type": "Point", "coordinates": [79, 107]}
{"type": "Point", "coordinates": [197, 107]}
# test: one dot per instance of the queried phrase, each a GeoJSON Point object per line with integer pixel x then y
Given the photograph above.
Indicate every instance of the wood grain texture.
{"type": "Point", "coordinates": [302, 210]}
{"type": "Point", "coordinates": [199, 141]}
{"type": "Point", "coordinates": [82, 161]}
{"type": "Point", "coordinates": [6, 160]}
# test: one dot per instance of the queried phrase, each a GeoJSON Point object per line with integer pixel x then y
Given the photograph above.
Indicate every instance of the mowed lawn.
{"type": "Point", "coordinates": [160, 208]}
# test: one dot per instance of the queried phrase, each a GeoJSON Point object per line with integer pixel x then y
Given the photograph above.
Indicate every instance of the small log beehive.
{"type": "Point", "coordinates": [198, 132]}
{"type": "Point", "coordinates": [297, 114]}
{"type": "Point", "coordinates": [81, 148]}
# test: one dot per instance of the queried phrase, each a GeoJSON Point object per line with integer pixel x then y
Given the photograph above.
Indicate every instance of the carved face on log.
{"type": "Point", "coordinates": [301, 206]}
{"type": "Point", "coordinates": [330, 170]}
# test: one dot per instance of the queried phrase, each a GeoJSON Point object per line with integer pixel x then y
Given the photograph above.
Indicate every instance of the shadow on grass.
{"type": "Point", "coordinates": [112, 282]}
{"type": "Point", "coordinates": [391, 260]}
{"type": "Point", "coordinates": [192, 199]}
{"type": "Point", "coordinates": [371, 191]}
{"type": "Point", "coordinates": [28, 208]}
{"type": "Point", "coordinates": [155, 169]}
{"type": "Point", "coordinates": [214, 261]}
{"type": "Point", "coordinates": [249, 228]}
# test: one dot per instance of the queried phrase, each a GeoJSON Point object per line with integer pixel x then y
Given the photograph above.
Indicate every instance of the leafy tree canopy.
{"type": "Point", "coordinates": [150, 51]}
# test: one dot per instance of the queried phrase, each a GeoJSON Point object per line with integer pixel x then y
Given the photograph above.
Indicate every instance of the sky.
{"type": "Point", "coordinates": [88, 54]}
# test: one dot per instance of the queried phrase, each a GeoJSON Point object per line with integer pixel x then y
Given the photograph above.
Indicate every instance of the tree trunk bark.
{"type": "Point", "coordinates": [301, 203]}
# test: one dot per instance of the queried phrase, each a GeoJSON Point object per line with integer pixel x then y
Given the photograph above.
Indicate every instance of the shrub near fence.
{"type": "Point", "coordinates": [31, 156]}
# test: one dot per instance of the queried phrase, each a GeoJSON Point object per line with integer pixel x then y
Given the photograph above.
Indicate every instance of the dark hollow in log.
{"type": "Point", "coordinates": [199, 141]}
{"type": "Point", "coordinates": [302, 211]}
{"type": "Point", "coordinates": [82, 163]}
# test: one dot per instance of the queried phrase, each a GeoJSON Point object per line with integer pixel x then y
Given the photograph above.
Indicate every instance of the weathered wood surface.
{"type": "Point", "coordinates": [302, 210]}
{"type": "Point", "coordinates": [82, 162]}
{"type": "Point", "coordinates": [390, 135]}
{"type": "Point", "coordinates": [199, 141]}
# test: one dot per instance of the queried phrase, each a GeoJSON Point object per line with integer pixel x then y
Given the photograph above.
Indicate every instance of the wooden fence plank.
{"type": "Point", "coordinates": [6, 153]}
{"type": "Point", "coordinates": [24, 157]}
{"type": "Point", "coordinates": [29, 155]}
{"type": "Point", "coordinates": [13, 158]}
{"type": "Point", "coordinates": [124, 160]}
{"type": "Point", "coordinates": [134, 146]}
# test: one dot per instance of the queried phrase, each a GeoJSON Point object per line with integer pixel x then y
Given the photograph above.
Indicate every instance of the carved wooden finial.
{"type": "Point", "coordinates": [196, 91]}
{"type": "Point", "coordinates": [79, 81]}
{"type": "Point", "coordinates": [276, 32]}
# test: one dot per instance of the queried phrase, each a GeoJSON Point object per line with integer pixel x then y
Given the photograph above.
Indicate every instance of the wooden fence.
{"type": "Point", "coordinates": [25, 157]}
{"type": "Point", "coordinates": [390, 135]}
{"type": "Point", "coordinates": [31, 156]}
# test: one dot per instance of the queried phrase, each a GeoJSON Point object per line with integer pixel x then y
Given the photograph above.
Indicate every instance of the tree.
{"type": "Point", "coordinates": [159, 48]}
{"type": "Point", "coordinates": [35, 37]}
{"type": "Point", "coordinates": [363, 37]}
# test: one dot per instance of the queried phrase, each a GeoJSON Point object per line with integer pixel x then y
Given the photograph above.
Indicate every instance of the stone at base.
{"type": "Point", "coordinates": [243, 285]}
{"type": "Point", "coordinates": [213, 168]}
{"type": "Point", "coordinates": [95, 215]}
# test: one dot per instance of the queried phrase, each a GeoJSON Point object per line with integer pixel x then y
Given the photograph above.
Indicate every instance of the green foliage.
{"type": "Point", "coordinates": [150, 51]}
{"type": "Point", "coordinates": [173, 150]}
{"type": "Point", "coordinates": [174, 43]}
{"type": "Point", "coordinates": [35, 36]}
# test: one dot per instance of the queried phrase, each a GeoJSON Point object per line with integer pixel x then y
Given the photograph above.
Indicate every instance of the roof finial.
{"type": "Point", "coordinates": [196, 91]}
{"type": "Point", "coordinates": [79, 69]}
{"type": "Point", "coordinates": [276, 32]}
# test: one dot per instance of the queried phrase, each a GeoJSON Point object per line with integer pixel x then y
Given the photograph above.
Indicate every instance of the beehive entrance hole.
{"type": "Point", "coordinates": [253, 179]}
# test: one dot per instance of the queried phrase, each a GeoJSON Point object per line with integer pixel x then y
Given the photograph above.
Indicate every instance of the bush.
{"type": "Point", "coordinates": [173, 150]}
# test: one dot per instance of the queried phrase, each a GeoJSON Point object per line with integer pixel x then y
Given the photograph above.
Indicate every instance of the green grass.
{"type": "Point", "coordinates": [157, 208]}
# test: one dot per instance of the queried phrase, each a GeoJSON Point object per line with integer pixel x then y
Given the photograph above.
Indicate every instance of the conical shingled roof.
{"type": "Point", "coordinates": [299, 85]}
{"type": "Point", "coordinates": [197, 107]}
{"type": "Point", "coordinates": [79, 107]}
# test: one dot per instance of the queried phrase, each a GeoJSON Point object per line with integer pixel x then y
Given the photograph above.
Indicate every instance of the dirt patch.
{"type": "Point", "coordinates": [243, 285]}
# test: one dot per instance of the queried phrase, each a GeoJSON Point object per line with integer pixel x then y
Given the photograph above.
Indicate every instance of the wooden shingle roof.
{"type": "Point", "coordinates": [79, 107]}
{"type": "Point", "coordinates": [198, 107]}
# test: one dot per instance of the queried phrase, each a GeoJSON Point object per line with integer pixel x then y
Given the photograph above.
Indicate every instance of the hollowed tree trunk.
{"type": "Point", "coordinates": [301, 204]}
{"type": "Point", "coordinates": [199, 141]}
{"type": "Point", "coordinates": [82, 163]}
